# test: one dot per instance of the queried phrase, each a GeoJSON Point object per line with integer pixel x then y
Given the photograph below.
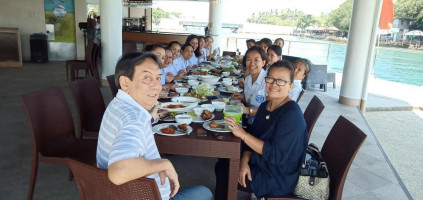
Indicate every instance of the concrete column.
{"type": "Point", "coordinates": [215, 22]}
{"type": "Point", "coordinates": [360, 52]}
{"type": "Point", "coordinates": [111, 35]}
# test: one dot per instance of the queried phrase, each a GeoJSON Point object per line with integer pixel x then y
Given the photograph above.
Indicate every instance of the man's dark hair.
{"type": "Point", "coordinates": [284, 64]}
{"type": "Point", "coordinates": [127, 63]}
{"type": "Point", "coordinates": [250, 40]}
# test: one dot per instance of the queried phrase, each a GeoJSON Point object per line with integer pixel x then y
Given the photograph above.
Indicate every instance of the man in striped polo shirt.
{"type": "Point", "coordinates": [126, 146]}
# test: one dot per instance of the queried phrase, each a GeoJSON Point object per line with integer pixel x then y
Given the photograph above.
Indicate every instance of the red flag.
{"type": "Point", "coordinates": [387, 15]}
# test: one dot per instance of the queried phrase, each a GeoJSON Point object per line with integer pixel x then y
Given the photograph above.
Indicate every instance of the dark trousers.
{"type": "Point", "coordinates": [221, 170]}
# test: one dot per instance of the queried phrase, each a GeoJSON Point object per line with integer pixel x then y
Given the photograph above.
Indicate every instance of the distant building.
{"type": "Point", "coordinates": [399, 27]}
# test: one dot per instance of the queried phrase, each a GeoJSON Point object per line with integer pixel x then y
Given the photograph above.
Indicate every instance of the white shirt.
{"type": "Point", "coordinates": [296, 90]}
{"type": "Point", "coordinates": [126, 132]}
{"type": "Point", "coordinates": [178, 65]}
{"type": "Point", "coordinates": [255, 94]}
{"type": "Point", "coordinates": [193, 60]}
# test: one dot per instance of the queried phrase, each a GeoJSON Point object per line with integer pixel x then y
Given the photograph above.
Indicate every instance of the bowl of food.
{"type": "Point", "coordinates": [183, 119]}
{"type": "Point", "coordinates": [193, 82]}
{"type": "Point", "coordinates": [226, 73]}
{"type": "Point", "coordinates": [210, 79]}
{"type": "Point", "coordinates": [219, 105]}
{"type": "Point", "coordinates": [227, 83]}
{"type": "Point", "coordinates": [209, 107]}
{"type": "Point", "coordinates": [192, 77]}
{"type": "Point", "coordinates": [204, 69]}
{"type": "Point", "coordinates": [226, 79]}
{"type": "Point", "coordinates": [181, 90]}
{"type": "Point", "coordinates": [198, 111]}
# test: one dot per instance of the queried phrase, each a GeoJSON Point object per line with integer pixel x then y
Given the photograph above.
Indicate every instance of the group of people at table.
{"type": "Point", "coordinates": [274, 141]}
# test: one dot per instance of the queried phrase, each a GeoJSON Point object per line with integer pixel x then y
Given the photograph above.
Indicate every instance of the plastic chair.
{"type": "Point", "coordinates": [90, 106]}
{"type": "Point", "coordinates": [93, 183]}
{"type": "Point", "coordinates": [348, 136]}
{"type": "Point", "coordinates": [53, 133]}
{"type": "Point", "coordinates": [73, 66]}
{"type": "Point", "coordinates": [312, 113]}
{"type": "Point", "coordinates": [112, 84]}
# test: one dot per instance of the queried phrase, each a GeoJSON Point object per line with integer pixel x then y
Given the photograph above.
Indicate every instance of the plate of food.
{"type": "Point", "coordinates": [168, 117]}
{"type": "Point", "coordinates": [230, 89]}
{"type": "Point", "coordinates": [205, 116]}
{"type": "Point", "coordinates": [163, 129]}
{"type": "Point", "coordinates": [186, 99]}
{"type": "Point", "coordinates": [174, 106]}
{"type": "Point", "coordinates": [216, 126]}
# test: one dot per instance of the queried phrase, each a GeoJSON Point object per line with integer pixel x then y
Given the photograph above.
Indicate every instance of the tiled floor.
{"type": "Point", "coordinates": [370, 176]}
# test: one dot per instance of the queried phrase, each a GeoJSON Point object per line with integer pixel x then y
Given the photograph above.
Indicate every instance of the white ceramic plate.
{"type": "Point", "coordinates": [222, 89]}
{"type": "Point", "coordinates": [188, 106]}
{"type": "Point", "coordinates": [206, 125]}
{"type": "Point", "coordinates": [185, 99]}
{"type": "Point", "coordinates": [158, 127]}
{"type": "Point", "coordinates": [198, 119]}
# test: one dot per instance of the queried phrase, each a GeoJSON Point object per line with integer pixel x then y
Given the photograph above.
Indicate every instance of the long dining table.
{"type": "Point", "coordinates": [213, 145]}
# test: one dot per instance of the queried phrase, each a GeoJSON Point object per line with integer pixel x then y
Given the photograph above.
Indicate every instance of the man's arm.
{"type": "Point", "coordinates": [129, 169]}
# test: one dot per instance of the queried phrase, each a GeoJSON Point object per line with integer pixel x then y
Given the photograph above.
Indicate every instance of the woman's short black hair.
{"type": "Point", "coordinates": [127, 63]}
{"type": "Point", "coordinates": [152, 47]}
{"type": "Point", "coordinates": [267, 41]}
{"type": "Point", "coordinates": [185, 46]}
{"type": "Point", "coordinates": [276, 48]}
{"type": "Point", "coordinates": [250, 40]}
{"type": "Point", "coordinates": [284, 64]}
{"type": "Point", "coordinates": [258, 49]}
{"type": "Point", "coordinates": [172, 43]}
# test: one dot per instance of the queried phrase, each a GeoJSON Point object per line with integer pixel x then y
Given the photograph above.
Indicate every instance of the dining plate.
{"type": "Point", "coordinates": [206, 125]}
{"type": "Point", "coordinates": [184, 99]}
{"type": "Point", "coordinates": [198, 119]}
{"type": "Point", "coordinates": [186, 106]}
{"type": "Point", "coordinates": [222, 89]}
{"type": "Point", "coordinates": [157, 129]}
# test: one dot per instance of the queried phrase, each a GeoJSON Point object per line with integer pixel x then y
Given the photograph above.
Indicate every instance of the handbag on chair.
{"type": "Point", "coordinates": [313, 182]}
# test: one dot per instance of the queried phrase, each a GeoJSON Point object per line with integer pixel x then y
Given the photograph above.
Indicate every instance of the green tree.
{"type": "Point", "coordinates": [305, 20]}
{"type": "Point", "coordinates": [285, 17]}
{"type": "Point", "coordinates": [341, 17]}
{"type": "Point", "coordinates": [410, 9]}
{"type": "Point", "coordinates": [157, 14]}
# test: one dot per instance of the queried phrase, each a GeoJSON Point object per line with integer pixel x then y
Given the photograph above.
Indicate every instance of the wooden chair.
{"type": "Point", "coordinates": [93, 183]}
{"type": "Point", "coordinates": [229, 53]}
{"type": "Point", "coordinates": [112, 84]}
{"type": "Point", "coordinates": [312, 113]}
{"type": "Point", "coordinates": [90, 106]}
{"type": "Point", "coordinates": [348, 136]}
{"type": "Point", "coordinates": [53, 133]}
{"type": "Point", "coordinates": [299, 96]}
{"type": "Point", "coordinates": [95, 61]}
{"type": "Point", "coordinates": [74, 66]}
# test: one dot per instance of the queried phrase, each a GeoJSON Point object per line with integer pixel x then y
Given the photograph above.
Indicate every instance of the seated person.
{"type": "Point", "coordinates": [193, 41]}
{"type": "Point", "coordinates": [160, 52]}
{"type": "Point", "coordinates": [265, 43]}
{"type": "Point", "coordinates": [302, 68]}
{"type": "Point", "coordinates": [180, 66]}
{"type": "Point", "coordinates": [200, 53]}
{"type": "Point", "coordinates": [209, 45]}
{"type": "Point", "coordinates": [275, 54]}
{"type": "Point", "coordinates": [280, 42]}
{"type": "Point", "coordinates": [126, 146]}
{"type": "Point", "coordinates": [250, 43]}
{"type": "Point", "coordinates": [254, 87]}
{"type": "Point", "coordinates": [175, 47]}
{"type": "Point", "coordinates": [274, 150]}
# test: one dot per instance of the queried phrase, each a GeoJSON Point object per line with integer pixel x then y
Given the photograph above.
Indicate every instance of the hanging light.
{"type": "Point", "coordinates": [138, 3]}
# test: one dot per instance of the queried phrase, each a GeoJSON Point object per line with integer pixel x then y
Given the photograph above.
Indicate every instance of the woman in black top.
{"type": "Point", "coordinates": [276, 147]}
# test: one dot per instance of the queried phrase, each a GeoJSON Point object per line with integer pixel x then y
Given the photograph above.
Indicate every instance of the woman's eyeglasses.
{"type": "Point", "coordinates": [279, 82]}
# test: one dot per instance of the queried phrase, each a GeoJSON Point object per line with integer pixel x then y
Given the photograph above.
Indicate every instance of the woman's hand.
{"type": "Point", "coordinates": [181, 74]}
{"type": "Point", "coordinates": [244, 170]}
{"type": "Point", "coordinates": [237, 96]}
{"type": "Point", "coordinates": [154, 113]}
{"type": "Point", "coordinates": [169, 77]}
{"type": "Point", "coordinates": [241, 82]}
{"type": "Point", "coordinates": [236, 129]}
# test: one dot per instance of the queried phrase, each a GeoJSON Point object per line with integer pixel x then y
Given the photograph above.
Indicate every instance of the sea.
{"type": "Point", "coordinates": [393, 64]}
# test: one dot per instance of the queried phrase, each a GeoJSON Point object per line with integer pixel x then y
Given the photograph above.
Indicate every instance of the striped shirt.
{"type": "Point", "coordinates": [126, 132]}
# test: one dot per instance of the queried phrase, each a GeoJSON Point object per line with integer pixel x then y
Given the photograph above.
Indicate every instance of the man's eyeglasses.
{"type": "Point", "coordinates": [279, 82]}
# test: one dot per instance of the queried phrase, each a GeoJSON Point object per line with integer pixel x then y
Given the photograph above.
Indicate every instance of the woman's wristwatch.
{"type": "Point", "coordinates": [251, 111]}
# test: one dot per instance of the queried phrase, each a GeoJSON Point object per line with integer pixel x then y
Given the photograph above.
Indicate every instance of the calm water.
{"type": "Point", "coordinates": [393, 64]}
